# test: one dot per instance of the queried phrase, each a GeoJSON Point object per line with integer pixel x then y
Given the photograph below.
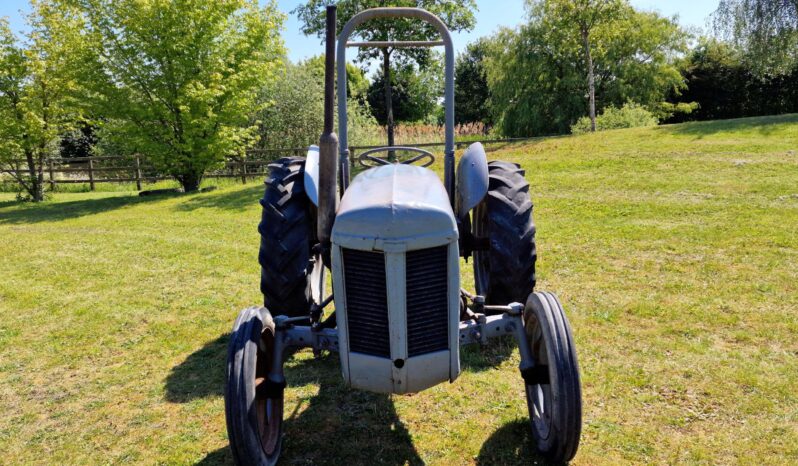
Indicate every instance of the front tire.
{"type": "Point", "coordinates": [505, 272]}
{"type": "Point", "coordinates": [254, 420]}
{"type": "Point", "coordinates": [554, 396]}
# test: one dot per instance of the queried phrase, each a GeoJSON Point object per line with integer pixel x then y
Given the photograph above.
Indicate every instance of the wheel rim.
{"type": "Point", "coordinates": [269, 410]}
{"type": "Point", "coordinates": [481, 264]}
{"type": "Point", "coordinates": [316, 278]}
{"type": "Point", "coordinates": [539, 396]}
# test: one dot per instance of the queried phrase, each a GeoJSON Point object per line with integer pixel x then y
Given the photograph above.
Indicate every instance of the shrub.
{"type": "Point", "coordinates": [631, 115]}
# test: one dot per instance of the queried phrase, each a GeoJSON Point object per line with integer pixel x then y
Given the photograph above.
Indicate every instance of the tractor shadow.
{"type": "Point", "coordinates": [477, 358]}
{"type": "Point", "coordinates": [511, 444]}
{"type": "Point", "coordinates": [330, 424]}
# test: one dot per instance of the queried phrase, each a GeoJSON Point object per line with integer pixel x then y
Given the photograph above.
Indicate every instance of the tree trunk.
{"type": "Point", "coordinates": [36, 187]}
{"type": "Point", "coordinates": [591, 80]}
{"type": "Point", "coordinates": [386, 73]}
{"type": "Point", "coordinates": [190, 180]}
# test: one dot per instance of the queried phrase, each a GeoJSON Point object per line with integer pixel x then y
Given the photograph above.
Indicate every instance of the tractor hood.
{"type": "Point", "coordinates": [394, 207]}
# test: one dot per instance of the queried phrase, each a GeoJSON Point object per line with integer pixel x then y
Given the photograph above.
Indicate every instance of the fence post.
{"type": "Point", "coordinates": [52, 177]}
{"type": "Point", "coordinates": [138, 173]}
{"type": "Point", "coordinates": [243, 171]}
{"type": "Point", "coordinates": [91, 175]}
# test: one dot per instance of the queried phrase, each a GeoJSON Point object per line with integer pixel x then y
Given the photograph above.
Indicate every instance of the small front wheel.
{"type": "Point", "coordinates": [254, 414]}
{"type": "Point", "coordinates": [553, 392]}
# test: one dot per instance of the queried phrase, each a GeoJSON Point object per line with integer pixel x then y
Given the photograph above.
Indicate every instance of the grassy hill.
{"type": "Point", "coordinates": [674, 249]}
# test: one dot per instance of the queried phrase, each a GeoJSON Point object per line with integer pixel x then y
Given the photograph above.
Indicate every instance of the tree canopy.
{"type": "Point", "coordinates": [722, 84]}
{"type": "Point", "coordinates": [471, 92]}
{"type": "Point", "coordinates": [179, 80]}
{"type": "Point", "coordinates": [458, 15]}
{"type": "Point", "coordinates": [537, 72]}
{"type": "Point", "coordinates": [767, 30]}
{"type": "Point", "coordinates": [415, 93]}
{"type": "Point", "coordinates": [38, 91]}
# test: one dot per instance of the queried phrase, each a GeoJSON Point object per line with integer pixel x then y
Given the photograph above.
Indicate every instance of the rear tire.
{"type": "Point", "coordinates": [555, 401]}
{"type": "Point", "coordinates": [505, 273]}
{"type": "Point", "coordinates": [254, 422]}
{"type": "Point", "coordinates": [287, 230]}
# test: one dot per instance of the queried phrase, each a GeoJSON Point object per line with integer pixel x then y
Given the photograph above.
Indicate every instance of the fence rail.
{"type": "Point", "coordinates": [140, 171]}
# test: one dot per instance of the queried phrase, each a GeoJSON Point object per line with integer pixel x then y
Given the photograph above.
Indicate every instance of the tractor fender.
{"type": "Point", "coordinates": [472, 179]}
{"type": "Point", "coordinates": [311, 177]}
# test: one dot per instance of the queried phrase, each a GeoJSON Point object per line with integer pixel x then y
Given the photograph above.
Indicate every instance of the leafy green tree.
{"type": "Point", "coordinates": [537, 73]}
{"type": "Point", "coordinates": [458, 15]}
{"type": "Point", "coordinates": [178, 80]}
{"type": "Point", "coordinates": [767, 30]}
{"type": "Point", "coordinates": [292, 112]}
{"type": "Point", "coordinates": [37, 92]}
{"type": "Point", "coordinates": [580, 18]}
{"type": "Point", "coordinates": [471, 92]}
{"type": "Point", "coordinates": [357, 84]}
{"type": "Point", "coordinates": [722, 83]}
{"type": "Point", "coordinates": [414, 97]}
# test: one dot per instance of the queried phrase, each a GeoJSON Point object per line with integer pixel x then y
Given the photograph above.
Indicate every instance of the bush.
{"type": "Point", "coordinates": [631, 115]}
{"type": "Point", "coordinates": [294, 114]}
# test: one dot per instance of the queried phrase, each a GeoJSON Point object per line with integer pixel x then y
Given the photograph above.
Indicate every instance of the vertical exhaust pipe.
{"type": "Point", "coordinates": [328, 143]}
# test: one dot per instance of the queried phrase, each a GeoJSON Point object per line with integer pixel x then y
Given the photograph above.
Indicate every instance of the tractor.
{"type": "Point", "coordinates": [392, 239]}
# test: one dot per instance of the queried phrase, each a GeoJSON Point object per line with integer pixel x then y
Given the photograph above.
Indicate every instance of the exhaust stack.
{"type": "Point", "coordinates": [328, 143]}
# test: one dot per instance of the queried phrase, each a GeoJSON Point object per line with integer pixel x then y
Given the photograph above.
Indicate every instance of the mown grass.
{"type": "Point", "coordinates": [674, 249]}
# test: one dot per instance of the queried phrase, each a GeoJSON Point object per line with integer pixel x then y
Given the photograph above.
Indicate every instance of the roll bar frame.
{"type": "Point", "coordinates": [448, 95]}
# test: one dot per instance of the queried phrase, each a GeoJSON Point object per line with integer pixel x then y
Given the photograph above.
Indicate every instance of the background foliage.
{"type": "Point", "coordinates": [178, 80]}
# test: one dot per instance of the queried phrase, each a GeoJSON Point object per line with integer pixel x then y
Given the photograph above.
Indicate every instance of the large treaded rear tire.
{"type": "Point", "coordinates": [287, 232]}
{"type": "Point", "coordinates": [505, 273]}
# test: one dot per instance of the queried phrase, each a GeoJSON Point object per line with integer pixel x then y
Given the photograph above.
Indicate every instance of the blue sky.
{"type": "Point", "coordinates": [492, 15]}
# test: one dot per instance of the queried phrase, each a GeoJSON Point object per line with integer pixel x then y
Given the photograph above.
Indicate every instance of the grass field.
{"type": "Point", "coordinates": [674, 249]}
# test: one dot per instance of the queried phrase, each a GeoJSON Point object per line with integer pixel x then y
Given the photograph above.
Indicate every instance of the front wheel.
{"type": "Point", "coordinates": [254, 415]}
{"type": "Point", "coordinates": [553, 391]}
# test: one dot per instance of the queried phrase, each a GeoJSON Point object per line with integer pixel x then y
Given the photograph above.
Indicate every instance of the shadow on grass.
{"type": "Point", "coordinates": [476, 358]}
{"type": "Point", "coordinates": [511, 444]}
{"type": "Point", "coordinates": [57, 211]}
{"type": "Point", "coordinates": [236, 200]}
{"type": "Point", "coordinates": [336, 424]}
{"type": "Point", "coordinates": [764, 125]}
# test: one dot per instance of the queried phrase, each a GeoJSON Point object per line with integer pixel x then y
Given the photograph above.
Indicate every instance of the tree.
{"type": "Point", "coordinates": [722, 84]}
{"type": "Point", "coordinates": [37, 92]}
{"type": "Point", "coordinates": [414, 96]}
{"type": "Point", "coordinates": [581, 17]}
{"type": "Point", "coordinates": [293, 111]}
{"type": "Point", "coordinates": [537, 73]}
{"type": "Point", "coordinates": [178, 80]}
{"type": "Point", "coordinates": [458, 15]}
{"type": "Point", "coordinates": [471, 91]}
{"type": "Point", "coordinates": [767, 30]}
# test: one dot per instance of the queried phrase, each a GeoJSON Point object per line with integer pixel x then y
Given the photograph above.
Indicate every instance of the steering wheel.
{"type": "Point", "coordinates": [368, 160]}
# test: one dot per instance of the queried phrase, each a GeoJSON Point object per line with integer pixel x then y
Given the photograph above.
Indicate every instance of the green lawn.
{"type": "Point", "coordinates": [674, 249]}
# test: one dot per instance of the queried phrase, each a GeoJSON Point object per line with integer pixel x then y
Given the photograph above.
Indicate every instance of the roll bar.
{"type": "Point", "coordinates": [448, 96]}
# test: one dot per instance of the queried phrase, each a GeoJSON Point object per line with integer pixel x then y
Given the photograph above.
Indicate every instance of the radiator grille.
{"type": "Point", "coordinates": [366, 302]}
{"type": "Point", "coordinates": [427, 301]}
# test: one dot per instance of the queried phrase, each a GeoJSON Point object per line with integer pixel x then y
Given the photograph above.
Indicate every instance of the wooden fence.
{"type": "Point", "coordinates": [136, 169]}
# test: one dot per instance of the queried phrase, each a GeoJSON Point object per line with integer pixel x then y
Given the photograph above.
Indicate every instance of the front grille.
{"type": "Point", "coordinates": [366, 302]}
{"type": "Point", "coordinates": [427, 301]}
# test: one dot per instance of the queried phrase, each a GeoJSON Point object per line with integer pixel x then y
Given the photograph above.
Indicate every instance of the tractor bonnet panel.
{"type": "Point", "coordinates": [393, 205]}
